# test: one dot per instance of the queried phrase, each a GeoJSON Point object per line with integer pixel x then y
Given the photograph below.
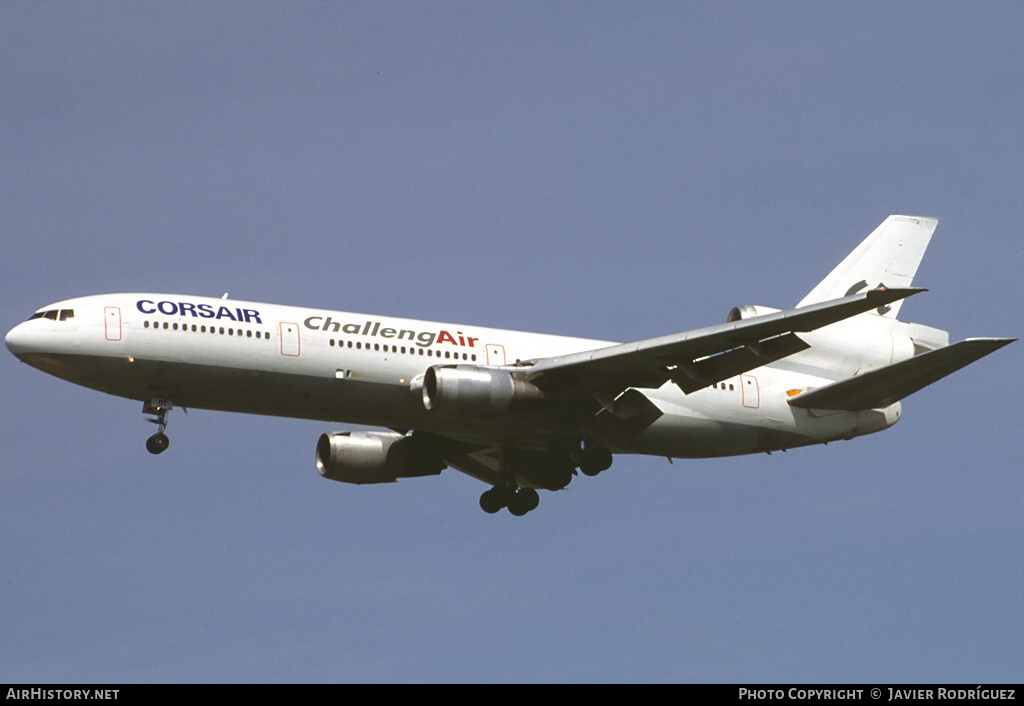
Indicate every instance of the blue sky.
{"type": "Point", "coordinates": [614, 171]}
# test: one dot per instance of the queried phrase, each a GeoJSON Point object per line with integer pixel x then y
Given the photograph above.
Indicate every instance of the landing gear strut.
{"type": "Point", "coordinates": [159, 442]}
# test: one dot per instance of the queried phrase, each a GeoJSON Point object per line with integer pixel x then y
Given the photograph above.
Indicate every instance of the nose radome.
{"type": "Point", "coordinates": [17, 340]}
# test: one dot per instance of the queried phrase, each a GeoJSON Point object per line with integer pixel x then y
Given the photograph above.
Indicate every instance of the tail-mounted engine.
{"type": "Point", "coordinates": [857, 344]}
{"type": "Point", "coordinates": [468, 390]}
{"type": "Point", "coordinates": [748, 311]}
{"type": "Point", "coordinates": [375, 457]}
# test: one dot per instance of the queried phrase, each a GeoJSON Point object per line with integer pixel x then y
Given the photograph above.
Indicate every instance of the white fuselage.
{"type": "Point", "coordinates": [353, 368]}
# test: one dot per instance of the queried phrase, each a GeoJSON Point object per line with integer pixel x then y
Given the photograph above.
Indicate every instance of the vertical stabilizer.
{"type": "Point", "coordinates": [889, 256]}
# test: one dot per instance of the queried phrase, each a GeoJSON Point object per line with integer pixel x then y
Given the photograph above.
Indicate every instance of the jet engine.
{"type": "Point", "coordinates": [857, 344]}
{"type": "Point", "coordinates": [748, 311]}
{"type": "Point", "coordinates": [375, 457]}
{"type": "Point", "coordinates": [467, 390]}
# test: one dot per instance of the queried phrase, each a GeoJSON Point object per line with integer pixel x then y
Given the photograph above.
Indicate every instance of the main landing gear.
{"type": "Point", "coordinates": [592, 459]}
{"type": "Point", "coordinates": [519, 501]}
{"type": "Point", "coordinates": [553, 471]}
{"type": "Point", "coordinates": [159, 442]}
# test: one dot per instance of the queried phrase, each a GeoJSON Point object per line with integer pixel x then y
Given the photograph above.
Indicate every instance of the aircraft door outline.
{"type": "Point", "coordinates": [112, 323]}
{"type": "Point", "coordinates": [290, 344]}
{"type": "Point", "coordinates": [751, 394]}
{"type": "Point", "coordinates": [495, 354]}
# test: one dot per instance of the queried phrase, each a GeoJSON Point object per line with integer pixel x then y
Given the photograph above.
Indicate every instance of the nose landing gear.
{"type": "Point", "coordinates": [159, 442]}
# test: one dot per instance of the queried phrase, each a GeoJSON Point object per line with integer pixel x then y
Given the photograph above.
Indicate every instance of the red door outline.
{"type": "Point", "coordinates": [290, 344]}
{"type": "Point", "coordinates": [751, 393]}
{"type": "Point", "coordinates": [112, 323]}
{"type": "Point", "coordinates": [495, 354]}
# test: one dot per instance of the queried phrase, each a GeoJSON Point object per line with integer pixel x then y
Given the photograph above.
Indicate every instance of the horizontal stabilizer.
{"type": "Point", "coordinates": [885, 386]}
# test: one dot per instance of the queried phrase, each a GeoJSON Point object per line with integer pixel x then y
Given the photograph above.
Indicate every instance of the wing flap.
{"type": "Point", "coordinates": [708, 371]}
{"type": "Point", "coordinates": [885, 386]}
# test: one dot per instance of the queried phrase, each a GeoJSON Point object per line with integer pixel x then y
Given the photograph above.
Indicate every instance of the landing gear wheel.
{"type": "Point", "coordinates": [523, 501]}
{"type": "Point", "coordinates": [493, 500]}
{"type": "Point", "coordinates": [157, 443]}
{"type": "Point", "coordinates": [595, 460]}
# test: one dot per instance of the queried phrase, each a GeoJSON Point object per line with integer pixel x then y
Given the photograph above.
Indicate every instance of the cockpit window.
{"type": "Point", "coordinates": [54, 314]}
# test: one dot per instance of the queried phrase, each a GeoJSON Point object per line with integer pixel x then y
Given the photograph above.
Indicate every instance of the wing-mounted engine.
{"type": "Point", "coordinates": [748, 311]}
{"type": "Point", "coordinates": [363, 457]}
{"type": "Point", "coordinates": [470, 390]}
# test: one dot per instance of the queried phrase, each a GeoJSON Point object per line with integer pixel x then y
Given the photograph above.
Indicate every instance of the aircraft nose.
{"type": "Point", "coordinates": [18, 340]}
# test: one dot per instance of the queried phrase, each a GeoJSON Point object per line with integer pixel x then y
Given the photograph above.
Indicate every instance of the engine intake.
{"type": "Point", "coordinates": [748, 311]}
{"type": "Point", "coordinates": [466, 390]}
{"type": "Point", "coordinates": [364, 457]}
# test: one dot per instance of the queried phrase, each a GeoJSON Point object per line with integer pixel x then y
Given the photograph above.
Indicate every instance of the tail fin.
{"type": "Point", "coordinates": [889, 256]}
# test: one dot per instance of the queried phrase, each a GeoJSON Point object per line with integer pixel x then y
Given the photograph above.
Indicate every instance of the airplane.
{"type": "Point", "coordinates": [520, 411]}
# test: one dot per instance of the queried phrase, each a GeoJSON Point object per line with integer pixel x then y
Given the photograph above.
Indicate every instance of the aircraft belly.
{"type": "Point", "coordinates": [712, 424]}
{"type": "Point", "coordinates": [290, 394]}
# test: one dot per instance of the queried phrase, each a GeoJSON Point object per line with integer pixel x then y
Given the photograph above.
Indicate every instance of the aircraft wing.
{"type": "Point", "coordinates": [697, 359]}
{"type": "Point", "coordinates": [884, 386]}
